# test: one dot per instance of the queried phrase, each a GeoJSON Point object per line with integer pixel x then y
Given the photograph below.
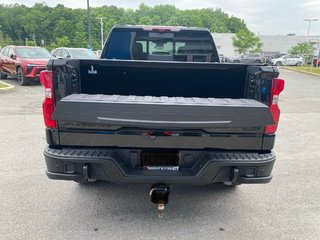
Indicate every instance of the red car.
{"type": "Point", "coordinates": [316, 61]}
{"type": "Point", "coordinates": [23, 62]}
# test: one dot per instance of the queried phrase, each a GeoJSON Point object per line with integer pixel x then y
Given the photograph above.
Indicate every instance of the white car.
{"type": "Point", "coordinates": [288, 60]}
{"type": "Point", "coordinates": [75, 53]}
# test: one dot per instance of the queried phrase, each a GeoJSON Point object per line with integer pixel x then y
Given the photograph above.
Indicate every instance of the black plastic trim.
{"type": "Point", "coordinates": [268, 141]}
{"type": "Point", "coordinates": [255, 179]}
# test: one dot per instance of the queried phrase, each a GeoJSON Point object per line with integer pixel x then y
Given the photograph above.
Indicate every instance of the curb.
{"type": "Point", "coordinates": [7, 88]}
{"type": "Point", "coordinates": [301, 71]}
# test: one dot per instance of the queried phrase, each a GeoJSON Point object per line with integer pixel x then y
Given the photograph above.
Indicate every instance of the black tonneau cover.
{"type": "Point", "coordinates": [163, 112]}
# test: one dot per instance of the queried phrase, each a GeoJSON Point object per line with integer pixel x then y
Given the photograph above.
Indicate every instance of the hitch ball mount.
{"type": "Point", "coordinates": [159, 194]}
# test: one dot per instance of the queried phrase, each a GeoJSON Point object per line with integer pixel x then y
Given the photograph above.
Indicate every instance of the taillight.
{"type": "Point", "coordinates": [161, 29]}
{"type": "Point", "coordinates": [277, 88]}
{"type": "Point", "coordinates": [46, 79]}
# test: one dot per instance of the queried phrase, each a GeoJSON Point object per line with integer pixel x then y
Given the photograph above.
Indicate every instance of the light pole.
{"type": "Point", "coordinates": [310, 20]}
{"type": "Point", "coordinates": [101, 29]}
{"type": "Point", "coordinates": [0, 36]}
{"type": "Point", "coordinates": [88, 20]}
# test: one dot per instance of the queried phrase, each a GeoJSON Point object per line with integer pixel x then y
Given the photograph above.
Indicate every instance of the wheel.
{"type": "Point", "coordinates": [3, 76]}
{"type": "Point", "coordinates": [23, 81]}
{"type": "Point", "coordinates": [257, 62]}
{"type": "Point", "coordinates": [236, 61]}
{"type": "Point", "coordinates": [278, 64]}
{"type": "Point", "coordinates": [299, 64]}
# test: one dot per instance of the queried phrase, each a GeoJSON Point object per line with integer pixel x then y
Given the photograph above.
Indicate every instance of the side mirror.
{"type": "Point", "coordinates": [12, 56]}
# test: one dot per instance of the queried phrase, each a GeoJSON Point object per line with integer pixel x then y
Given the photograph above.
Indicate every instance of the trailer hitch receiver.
{"type": "Point", "coordinates": [160, 196]}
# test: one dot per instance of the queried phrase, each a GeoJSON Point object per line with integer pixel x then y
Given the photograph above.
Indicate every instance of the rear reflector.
{"type": "Point", "coordinates": [277, 88]}
{"type": "Point", "coordinates": [46, 79]}
{"type": "Point", "coordinates": [275, 111]}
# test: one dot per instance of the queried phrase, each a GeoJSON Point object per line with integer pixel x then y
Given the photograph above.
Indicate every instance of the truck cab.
{"type": "Point", "coordinates": [160, 43]}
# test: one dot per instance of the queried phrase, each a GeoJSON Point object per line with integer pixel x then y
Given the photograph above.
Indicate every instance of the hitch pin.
{"type": "Point", "coordinates": [161, 208]}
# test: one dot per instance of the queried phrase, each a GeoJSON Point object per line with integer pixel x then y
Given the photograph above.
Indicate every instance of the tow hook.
{"type": "Point", "coordinates": [160, 195]}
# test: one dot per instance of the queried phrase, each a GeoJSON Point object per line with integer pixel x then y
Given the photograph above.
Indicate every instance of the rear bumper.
{"type": "Point", "coordinates": [111, 165]}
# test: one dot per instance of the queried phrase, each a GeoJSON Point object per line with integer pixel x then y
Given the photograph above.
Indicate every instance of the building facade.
{"type": "Point", "coordinates": [272, 44]}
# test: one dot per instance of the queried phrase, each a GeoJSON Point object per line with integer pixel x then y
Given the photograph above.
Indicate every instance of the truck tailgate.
{"type": "Point", "coordinates": [163, 112]}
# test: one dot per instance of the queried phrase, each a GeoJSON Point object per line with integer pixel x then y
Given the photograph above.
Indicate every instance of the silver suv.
{"type": "Point", "coordinates": [288, 60]}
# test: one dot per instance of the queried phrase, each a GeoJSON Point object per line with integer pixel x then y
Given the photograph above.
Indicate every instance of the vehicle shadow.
{"type": "Point", "coordinates": [124, 202]}
{"type": "Point", "coordinates": [14, 81]}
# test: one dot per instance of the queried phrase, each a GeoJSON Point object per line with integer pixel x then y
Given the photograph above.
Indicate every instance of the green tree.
{"type": "Point", "coordinates": [60, 42]}
{"type": "Point", "coordinates": [4, 40]}
{"type": "Point", "coordinates": [245, 41]}
{"type": "Point", "coordinates": [42, 22]}
{"type": "Point", "coordinates": [145, 20]}
{"type": "Point", "coordinates": [31, 43]}
{"type": "Point", "coordinates": [305, 49]}
{"type": "Point", "coordinates": [161, 14]}
{"type": "Point", "coordinates": [80, 40]}
{"type": "Point", "coordinates": [63, 41]}
{"type": "Point", "coordinates": [234, 24]}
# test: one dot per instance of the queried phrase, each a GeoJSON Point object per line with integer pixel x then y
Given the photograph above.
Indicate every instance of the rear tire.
{"type": "Point", "coordinates": [299, 64]}
{"type": "Point", "coordinates": [257, 62]}
{"type": "Point", "coordinates": [3, 76]}
{"type": "Point", "coordinates": [22, 80]}
{"type": "Point", "coordinates": [278, 64]}
{"type": "Point", "coordinates": [236, 61]}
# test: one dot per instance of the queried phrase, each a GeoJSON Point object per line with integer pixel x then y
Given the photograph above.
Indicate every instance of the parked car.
{"type": "Point", "coordinates": [316, 61]}
{"type": "Point", "coordinates": [222, 58]}
{"type": "Point", "coordinates": [23, 62]}
{"type": "Point", "coordinates": [287, 60]}
{"type": "Point", "coordinates": [77, 53]}
{"type": "Point", "coordinates": [251, 58]}
{"type": "Point", "coordinates": [267, 58]}
{"type": "Point", "coordinates": [98, 53]}
{"type": "Point", "coordinates": [278, 55]}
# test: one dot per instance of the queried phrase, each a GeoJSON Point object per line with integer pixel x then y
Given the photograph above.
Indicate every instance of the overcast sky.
{"type": "Point", "coordinates": [266, 17]}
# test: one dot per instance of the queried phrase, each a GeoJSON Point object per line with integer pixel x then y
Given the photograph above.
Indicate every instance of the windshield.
{"type": "Point", "coordinates": [82, 54]}
{"type": "Point", "coordinates": [34, 53]}
{"type": "Point", "coordinates": [168, 46]}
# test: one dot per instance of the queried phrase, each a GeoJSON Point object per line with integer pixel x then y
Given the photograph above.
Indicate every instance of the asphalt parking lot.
{"type": "Point", "coordinates": [34, 207]}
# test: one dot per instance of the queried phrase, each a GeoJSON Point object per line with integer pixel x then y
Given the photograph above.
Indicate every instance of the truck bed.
{"type": "Point", "coordinates": [187, 105]}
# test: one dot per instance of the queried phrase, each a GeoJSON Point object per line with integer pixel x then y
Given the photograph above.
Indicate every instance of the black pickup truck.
{"type": "Point", "coordinates": [158, 108]}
